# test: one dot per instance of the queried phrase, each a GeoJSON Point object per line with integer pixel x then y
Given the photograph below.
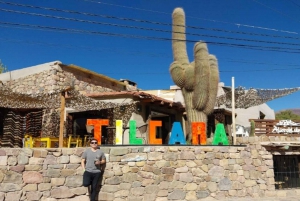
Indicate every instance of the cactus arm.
{"type": "Point", "coordinates": [190, 77]}
{"type": "Point", "coordinates": [202, 71]}
{"type": "Point", "coordinates": [178, 36]}
{"type": "Point", "coordinates": [177, 73]}
{"type": "Point", "coordinates": [213, 85]}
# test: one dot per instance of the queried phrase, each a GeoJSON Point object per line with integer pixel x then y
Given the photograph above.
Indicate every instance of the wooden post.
{"type": "Point", "coordinates": [62, 118]}
{"type": "Point", "coordinates": [233, 112]}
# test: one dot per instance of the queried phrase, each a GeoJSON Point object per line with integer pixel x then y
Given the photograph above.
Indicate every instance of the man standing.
{"type": "Point", "coordinates": [91, 160]}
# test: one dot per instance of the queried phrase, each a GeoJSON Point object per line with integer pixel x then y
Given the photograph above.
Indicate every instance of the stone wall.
{"type": "Point", "coordinates": [53, 80]}
{"type": "Point", "coordinates": [50, 81]}
{"type": "Point", "coordinates": [148, 173]}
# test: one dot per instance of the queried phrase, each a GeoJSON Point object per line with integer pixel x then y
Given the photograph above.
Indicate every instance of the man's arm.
{"type": "Point", "coordinates": [103, 161]}
{"type": "Point", "coordinates": [83, 163]}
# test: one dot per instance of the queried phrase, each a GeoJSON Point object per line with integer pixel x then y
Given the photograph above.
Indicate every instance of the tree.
{"type": "Point", "coordinates": [287, 115]}
{"type": "Point", "coordinates": [2, 67]}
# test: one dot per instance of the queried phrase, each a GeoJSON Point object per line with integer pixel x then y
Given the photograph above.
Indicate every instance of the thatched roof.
{"type": "Point", "coordinates": [138, 95]}
{"type": "Point", "coordinates": [10, 99]}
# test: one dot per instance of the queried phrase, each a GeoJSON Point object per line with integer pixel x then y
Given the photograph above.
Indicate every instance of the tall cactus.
{"type": "Point", "coordinates": [199, 79]}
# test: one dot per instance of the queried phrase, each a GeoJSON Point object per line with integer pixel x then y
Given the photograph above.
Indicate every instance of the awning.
{"type": "Point", "coordinates": [245, 98]}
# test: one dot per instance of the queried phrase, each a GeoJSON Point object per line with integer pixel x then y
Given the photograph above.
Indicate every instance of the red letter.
{"type": "Point", "coordinates": [97, 123]}
{"type": "Point", "coordinates": [198, 131]}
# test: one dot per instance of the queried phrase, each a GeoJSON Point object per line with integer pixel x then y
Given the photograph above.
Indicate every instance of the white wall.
{"type": "Point", "coordinates": [16, 74]}
{"type": "Point", "coordinates": [243, 115]}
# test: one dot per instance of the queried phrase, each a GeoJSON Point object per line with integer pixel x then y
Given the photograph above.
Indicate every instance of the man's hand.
{"type": "Point", "coordinates": [98, 162]}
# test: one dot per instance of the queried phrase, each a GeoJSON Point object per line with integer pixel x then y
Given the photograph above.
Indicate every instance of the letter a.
{"type": "Point", "coordinates": [177, 134]}
{"type": "Point", "coordinates": [220, 137]}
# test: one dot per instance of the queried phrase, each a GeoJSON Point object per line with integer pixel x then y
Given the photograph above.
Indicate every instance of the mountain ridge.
{"type": "Point", "coordinates": [294, 110]}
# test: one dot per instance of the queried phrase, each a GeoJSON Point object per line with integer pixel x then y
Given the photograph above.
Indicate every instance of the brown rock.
{"type": "Point", "coordinates": [12, 160]}
{"type": "Point", "coordinates": [32, 161]}
{"type": "Point", "coordinates": [67, 172]}
{"type": "Point", "coordinates": [75, 159]}
{"type": "Point", "coordinates": [44, 186]}
{"type": "Point", "coordinates": [186, 177]}
{"type": "Point", "coordinates": [12, 152]}
{"type": "Point", "coordinates": [61, 192]}
{"type": "Point", "coordinates": [106, 196]}
{"type": "Point", "coordinates": [154, 156]}
{"type": "Point", "coordinates": [32, 177]}
{"type": "Point", "coordinates": [12, 177]}
{"type": "Point", "coordinates": [33, 195]}
{"type": "Point", "coordinates": [167, 170]}
{"type": "Point", "coordinates": [2, 152]}
{"type": "Point", "coordinates": [40, 153]}
{"type": "Point", "coordinates": [52, 160]}
{"type": "Point", "coordinates": [79, 191]}
{"type": "Point", "coordinates": [18, 168]}
{"type": "Point", "coordinates": [187, 155]}
{"type": "Point", "coordinates": [13, 196]}
{"type": "Point", "coordinates": [73, 181]}
{"type": "Point", "coordinates": [3, 160]}
{"type": "Point", "coordinates": [8, 187]}
{"type": "Point", "coordinates": [52, 173]}
{"type": "Point", "coordinates": [30, 187]}
{"type": "Point", "coordinates": [57, 181]}
{"type": "Point", "coordinates": [33, 167]}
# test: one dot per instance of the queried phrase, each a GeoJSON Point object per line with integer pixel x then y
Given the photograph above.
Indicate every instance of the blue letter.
{"type": "Point", "coordinates": [177, 134]}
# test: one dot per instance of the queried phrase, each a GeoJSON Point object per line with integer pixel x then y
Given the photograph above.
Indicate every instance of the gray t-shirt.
{"type": "Point", "coordinates": [90, 158]}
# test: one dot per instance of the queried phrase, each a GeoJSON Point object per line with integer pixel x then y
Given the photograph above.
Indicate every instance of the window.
{"type": "Point", "coordinates": [261, 115]}
{"type": "Point", "coordinates": [286, 171]}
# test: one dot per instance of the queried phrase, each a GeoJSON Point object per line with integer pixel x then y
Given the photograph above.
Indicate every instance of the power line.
{"type": "Point", "coordinates": [236, 24]}
{"type": "Point", "coordinates": [92, 49]}
{"type": "Point", "coordinates": [297, 67]}
{"type": "Point", "coordinates": [255, 47]}
{"type": "Point", "coordinates": [147, 21]}
{"type": "Point", "coordinates": [295, 3]}
{"type": "Point", "coordinates": [221, 71]}
{"type": "Point", "coordinates": [273, 9]}
{"type": "Point", "coordinates": [163, 55]}
{"type": "Point", "coordinates": [141, 28]}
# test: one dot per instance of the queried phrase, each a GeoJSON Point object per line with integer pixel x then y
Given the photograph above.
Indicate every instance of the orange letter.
{"type": "Point", "coordinates": [97, 123]}
{"type": "Point", "coordinates": [198, 130]}
{"type": "Point", "coordinates": [152, 132]}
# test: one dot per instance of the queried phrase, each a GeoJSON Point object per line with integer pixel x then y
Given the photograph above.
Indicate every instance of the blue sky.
{"type": "Point", "coordinates": [140, 56]}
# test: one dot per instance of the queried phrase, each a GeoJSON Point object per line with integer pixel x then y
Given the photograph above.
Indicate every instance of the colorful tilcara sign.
{"type": "Point", "coordinates": [176, 137]}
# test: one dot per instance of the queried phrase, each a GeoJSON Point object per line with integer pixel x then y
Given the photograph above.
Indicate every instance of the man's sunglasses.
{"type": "Point", "coordinates": [94, 143]}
